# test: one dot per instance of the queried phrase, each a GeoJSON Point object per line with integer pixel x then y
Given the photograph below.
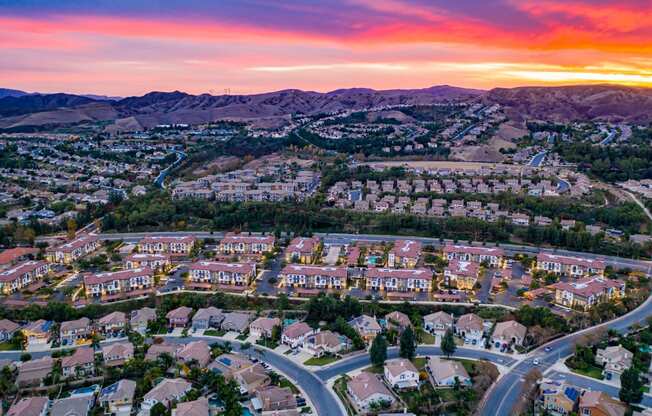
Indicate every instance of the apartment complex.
{"type": "Point", "coordinates": [241, 244]}
{"type": "Point", "coordinates": [119, 285]}
{"type": "Point", "coordinates": [155, 261]}
{"type": "Point", "coordinates": [405, 253]}
{"type": "Point", "coordinates": [461, 275]}
{"type": "Point", "coordinates": [494, 256]}
{"type": "Point", "coordinates": [73, 250]}
{"type": "Point", "coordinates": [569, 266]}
{"type": "Point", "coordinates": [313, 277]}
{"type": "Point", "coordinates": [212, 275]}
{"type": "Point", "coordinates": [399, 280]}
{"type": "Point", "coordinates": [22, 275]}
{"type": "Point", "coordinates": [585, 293]}
{"type": "Point", "coordinates": [176, 245]}
{"type": "Point", "coordinates": [302, 250]}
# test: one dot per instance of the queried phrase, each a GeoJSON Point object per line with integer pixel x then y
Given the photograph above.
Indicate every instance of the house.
{"type": "Point", "coordinates": [7, 329]}
{"type": "Point", "coordinates": [313, 277]}
{"type": "Point", "coordinates": [205, 318]}
{"type": "Point", "coordinates": [445, 373]}
{"type": "Point", "coordinates": [507, 334]}
{"type": "Point", "coordinates": [197, 407]}
{"type": "Point", "coordinates": [22, 275]}
{"type": "Point", "coordinates": [124, 284]}
{"type": "Point", "coordinates": [295, 333]}
{"type": "Point", "coordinates": [325, 342]}
{"type": "Point", "coordinates": [155, 261]}
{"type": "Point", "coordinates": [262, 327]}
{"type": "Point", "coordinates": [302, 250]}
{"type": "Point", "coordinates": [73, 250]}
{"type": "Point", "coordinates": [438, 323]}
{"type": "Point", "coordinates": [236, 321]}
{"type": "Point", "coordinates": [585, 293]}
{"type": "Point", "coordinates": [80, 363]}
{"type": "Point", "coordinates": [174, 245]}
{"type": "Point", "coordinates": [248, 375]}
{"type": "Point", "coordinates": [598, 403]}
{"type": "Point", "coordinates": [470, 328]}
{"type": "Point", "coordinates": [398, 321]}
{"type": "Point", "coordinates": [113, 324]}
{"type": "Point", "coordinates": [74, 405]}
{"type": "Point", "coordinates": [274, 398]}
{"type": "Point", "coordinates": [75, 332]}
{"type": "Point", "coordinates": [557, 398]}
{"type": "Point", "coordinates": [212, 275]}
{"type": "Point", "coordinates": [156, 350]}
{"type": "Point", "coordinates": [167, 391]}
{"type": "Point", "coordinates": [615, 360]}
{"type": "Point", "coordinates": [569, 266]}
{"type": "Point", "coordinates": [461, 275]}
{"type": "Point", "coordinates": [366, 326]}
{"type": "Point", "coordinates": [117, 354]}
{"type": "Point", "coordinates": [179, 317]}
{"type": "Point", "coordinates": [401, 374]}
{"type": "Point", "coordinates": [118, 398]}
{"type": "Point", "coordinates": [30, 406]}
{"type": "Point", "coordinates": [32, 373]}
{"type": "Point", "coordinates": [366, 389]}
{"type": "Point", "coordinates": [198, 351]}
{"type": "Point", "coordinates": [494, 256]}
{"type": "Point", "coordinates": [37, 334]}
{"type": "Point", "coordinates": [141, 318]}
{"type": "Point", "coordinates": [240, 244]}
{"type": "Point", "coordinates": [399, 280]}
{"type": "Point", "coordinates": [405, 253]}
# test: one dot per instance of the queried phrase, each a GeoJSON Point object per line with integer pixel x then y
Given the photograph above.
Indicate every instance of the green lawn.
{"type": "Point", "coordinates": [374, 370]}
{"type": "Point", "coordinates": [214, 333]}
{"type": "Point", "coordinates": [6, 346]}
{"type": "Point", "coordinates": [419, 362]}
{"type": "Point", "coordinates": [594, 372]}
{"type": "Point", "coordinates": [427, 338]}
{"type": "Point", "coordinates": [340, 389]}
{"type": "Point", "coordinates": [321, 360]}
{"type": "Point", "coordinates": [286, 383]}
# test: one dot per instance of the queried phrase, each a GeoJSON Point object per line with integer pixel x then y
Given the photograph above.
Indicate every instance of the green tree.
{"type": "Point", "coordinates": [448, 346]}
{"type": "Point", "coordinates": [408, 347]}
{"type": "Point", "coordinates": [158, 409]}
{"type": "Point", "coordinates": [378, 351]}
{"type": "Point", "coordinates": [631, 386]}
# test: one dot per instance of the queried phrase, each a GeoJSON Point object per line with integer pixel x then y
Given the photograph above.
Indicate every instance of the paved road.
{"type": "Point", "coordinates": [502, 396]}
{"type": "Point", "coordinates": [337, 238]}
{"type": "Point", "coordinates": [537, 160]}
{"type": "Point", "coordinates": [362, 360]}
{"type": "Point", "coordinates": [164, 173]}
{"type": "Point", "coordinates": [609, 138]}
{"type": "Point", "coordinates": [322, 398]}
{"type": "Point", "coordinates": [640, 204]}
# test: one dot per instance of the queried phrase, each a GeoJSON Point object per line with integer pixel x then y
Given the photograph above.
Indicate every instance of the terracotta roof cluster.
{"type": "Point", "coordinates": [486, 251]}
{"type": "Point", "coordinates": [98, 278]}
{"type": "Point", "coordinates": [571, 261]}
{"type": "Point", "coordinates": [406, 248]}
{"type": "Point", "coordinates": [314, 270]}
{"type": "Point", "coordinates": [233, 238]}
{"type": "Point", "coordinates": [373, 272]}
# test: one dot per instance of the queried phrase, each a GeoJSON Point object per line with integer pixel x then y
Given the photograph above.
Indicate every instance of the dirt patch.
{"type": "Point", "coordinates": [219, 165]}
{"type": "Point", "coordinates": [509, 132]}
{"type": "Point", "coordinates": [483, 153]}
{"type": "Point", "coordinates": [436, 164]}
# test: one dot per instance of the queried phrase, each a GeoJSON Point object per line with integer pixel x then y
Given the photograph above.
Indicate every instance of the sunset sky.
{"type": "Point", "coordinates": [132, 47]}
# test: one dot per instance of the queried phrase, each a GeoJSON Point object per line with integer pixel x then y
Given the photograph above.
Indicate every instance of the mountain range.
{"type": "Point", "coordinates": [20, 111]}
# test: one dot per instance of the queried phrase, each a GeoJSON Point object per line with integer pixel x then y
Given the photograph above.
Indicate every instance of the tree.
{"type": "Point", "coordinates": [158, 409]}
{"type": "Point", "coordinates": [631, 386]}
{"type": "Point", "coordinates": [378, 351]}
{"type": "Point", "coordinates": [408, 348]}
{"type": "Point", "coordinates": [71, 225]}
{"type": "Point", "coordinates": [448, 346]}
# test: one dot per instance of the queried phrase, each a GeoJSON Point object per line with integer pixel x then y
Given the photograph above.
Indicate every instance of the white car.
{"type": "Point", "coordinates": [535, 361]}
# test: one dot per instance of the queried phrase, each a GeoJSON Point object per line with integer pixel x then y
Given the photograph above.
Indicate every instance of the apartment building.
{"type": "Point", "coordinates": [242, 244]}
{"type": "Point", "coordinates": [302, 250]}
{"type": "Point", "coordinates": [212, 275]}
{"type": "Point", "coordinates": [494, 256]}
{"type": "Point", "coordinates": [400, 280]}
{"type": "Point", "coordinates": [461, 275]}
{"type": "Point", "coordinates": [570, 266]}
{"type": "Point", "coordinates": [585, 293]}
{"type": "Point", "coordinates": [155, 261]}
{"type": "Point", "coordinates": [405, 253]}
{"type": "Point", "coordinates": [73, 250]}
{"type": "Point", "coordinates": [313, 277]}
{"type": "Point", "coordinates": [175, 245]}
{"type": "Point", "coordinates": [22, 275]}
{"type": "Point", "coordinates": [119, 285]}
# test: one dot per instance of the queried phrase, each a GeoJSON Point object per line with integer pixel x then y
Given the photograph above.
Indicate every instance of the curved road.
{"type": "Point", "coordinates": [506, 391]}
